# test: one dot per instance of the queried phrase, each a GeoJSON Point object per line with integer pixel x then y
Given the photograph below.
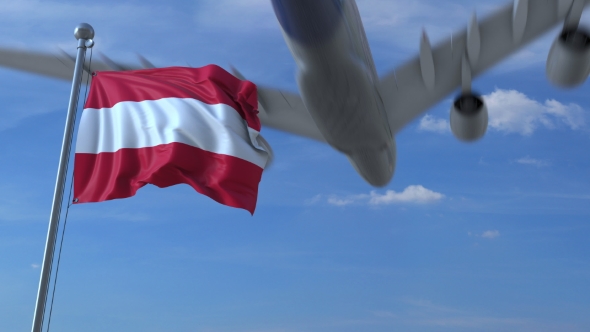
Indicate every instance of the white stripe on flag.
{"type": "Point", "coordinates": [214, 128]}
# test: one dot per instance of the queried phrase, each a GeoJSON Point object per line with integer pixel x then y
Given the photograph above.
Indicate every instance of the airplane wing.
{"type": "Point", "coordinates": [413, 88]}
{"type": "Point", "coordinates": [407, 91]}
{"type": "Point", "coordinates": [56, 65]}
{"type": "Point", "coordinates": [285, 111]}
{"type": "Point", "coordinates": [278, 109]}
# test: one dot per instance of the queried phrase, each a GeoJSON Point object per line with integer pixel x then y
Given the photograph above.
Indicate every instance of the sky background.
{"type": "Point", "coordinates": [489, 236]}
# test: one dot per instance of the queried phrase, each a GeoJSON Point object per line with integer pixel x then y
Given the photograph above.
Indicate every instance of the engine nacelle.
{"type": "Point", "coordinates": [469, 117]}
{"type": "Point", "coordinates": [568, 63]}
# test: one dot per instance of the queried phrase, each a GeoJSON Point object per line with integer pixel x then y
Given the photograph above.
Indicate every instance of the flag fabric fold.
{"type": "Point", "coordinates": [168, 126]}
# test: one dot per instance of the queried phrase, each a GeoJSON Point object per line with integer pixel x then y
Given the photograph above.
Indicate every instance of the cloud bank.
{"type": "Point", "coordinates": [414, 194]}
{"type": "Point", "coordinates": [490, 234]}
{"type": "Point", "coordinates": [511, 111]}
{"type": "Point", "coordinates": [531, 161]}
{"type": "Point", "coordinates": [430, 123]}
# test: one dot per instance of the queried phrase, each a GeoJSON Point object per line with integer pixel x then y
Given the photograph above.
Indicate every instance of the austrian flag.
{"type": "Point", "coordinates": [168, 126]}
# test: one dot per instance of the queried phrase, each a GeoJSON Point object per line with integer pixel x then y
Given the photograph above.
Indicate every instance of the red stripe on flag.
{"type": "Point", "coordinates": [110, 175]}
{"type": "Point", "coordinates": [210, 84]}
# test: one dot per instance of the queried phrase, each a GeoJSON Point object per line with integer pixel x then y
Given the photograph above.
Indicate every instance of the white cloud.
{"type": "Point", "coordinates": [430, 123]}
{"type": "Point", "coordinates": [35, 266]}
{"type": "Point", "coordinates": [531, 161]}
{"type": "Point", "coordinates": [28, 14]}
{"type": "Point", "coordinates": [237, 15]}
{"type": "Point", "coordinates": [490, 234]}
{"type": "Point", "coordinates": [511, 111]}
{"type": "Point", "coordinates": [414, 194]}
{"type": "Point", "coordinates": [401, 22]}
{"type": "Point", "coordinates": [313, 200]}
{"type": "Point", "coordinates": [340, 201]}
{"type": "Point", "coordinates": [123, 29]}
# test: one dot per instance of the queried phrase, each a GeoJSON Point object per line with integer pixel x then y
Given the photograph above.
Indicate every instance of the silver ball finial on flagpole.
{"type": "Point", "coordinates": [84, 34]}
{"type": "Point", "coordinates": [84, 31]}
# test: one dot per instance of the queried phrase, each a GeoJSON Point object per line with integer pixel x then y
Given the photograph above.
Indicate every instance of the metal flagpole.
{"type": "Point", "coordinates": [84, 34]}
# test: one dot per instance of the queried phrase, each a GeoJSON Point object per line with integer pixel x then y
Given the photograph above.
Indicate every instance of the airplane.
{"type": "Point", "coordinates": [343, 101]}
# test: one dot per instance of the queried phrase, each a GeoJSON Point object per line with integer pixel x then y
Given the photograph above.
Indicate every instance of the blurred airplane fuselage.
{"type": "Point", "coordinates": [338, 82]}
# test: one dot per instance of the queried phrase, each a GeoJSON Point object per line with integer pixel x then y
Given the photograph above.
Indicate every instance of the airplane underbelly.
{"type": "Point", "coordinates": [336, 86]}
{"type": "Point", "coordinates": [343, 105]}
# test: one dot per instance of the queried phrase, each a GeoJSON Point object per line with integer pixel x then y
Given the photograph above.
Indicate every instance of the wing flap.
{"type": "Point", "coordinates": [285, 111]}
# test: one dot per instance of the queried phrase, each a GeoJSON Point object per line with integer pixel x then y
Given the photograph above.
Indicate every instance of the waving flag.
{"type": "Point", "coordinates": [168, 126]}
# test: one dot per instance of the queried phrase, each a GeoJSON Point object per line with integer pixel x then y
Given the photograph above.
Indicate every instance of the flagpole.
{"type": "Point", "coordinates": [84, 34]}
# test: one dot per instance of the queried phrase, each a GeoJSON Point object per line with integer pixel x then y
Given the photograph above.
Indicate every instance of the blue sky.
{"type": "Point", "coordinates": [490, 236]}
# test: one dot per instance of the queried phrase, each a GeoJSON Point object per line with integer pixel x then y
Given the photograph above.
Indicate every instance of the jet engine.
{"type": "Point", "coordinates": [568, 63]}
{"type": "Point", "coordinates": [469, 117]}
